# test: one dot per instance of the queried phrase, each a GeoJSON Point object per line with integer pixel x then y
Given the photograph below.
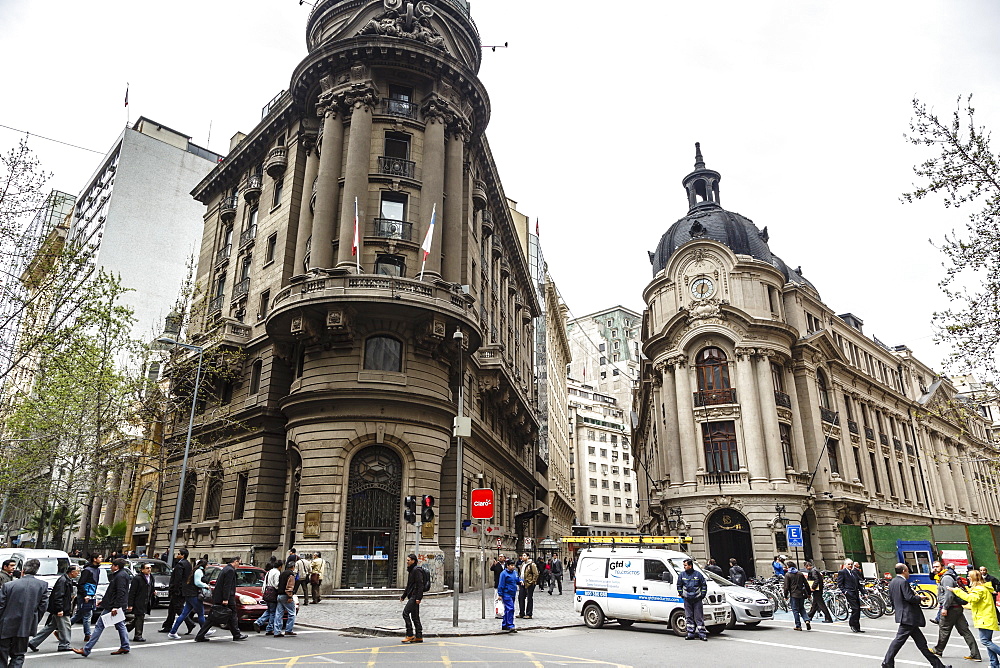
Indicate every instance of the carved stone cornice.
{"type": "Point", "coordinates": [358, 95]}
{"type": "Point", "coordinates": [405, 19]}
{"type": "Point", "coordinates": [436, 109]}
{"type": "Point", "coordinates": [745, 353]}
{"type": "Point", "coordinates": [677, 361]}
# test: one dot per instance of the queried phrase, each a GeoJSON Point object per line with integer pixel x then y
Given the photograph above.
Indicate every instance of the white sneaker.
{"type": "Point", "coordinates": [173, 636]}
{"type": "Point", "coordinates": [211, 632]}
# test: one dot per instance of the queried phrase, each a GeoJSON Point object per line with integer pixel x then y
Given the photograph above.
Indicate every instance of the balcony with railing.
{"type": "Point", "coordinates": [227, 209]}
{"type": "Point", "coordinates": [386, 228]}
{"type": "Point", "coordinates": [722, 478]}
{"type": "Point", "coordinates": [241, 288]}
{"type": "Point", "coordinates": [829, 416]}
{"type": "Point", "coordinates": [251, 191]}
{"type": "Point", "coordinates": [405, 169]}
{"type": "Point", "coordinates": [277, 161]}
{"type": "Point", "coordinates": [248, 235]}
{"type": "Point", "coordinates": [487, 222]}
{"type": "Point", "coordinates": [216, 303]}
{"type": "Point", "coordinates": [401, 108]}
{"type": "Point", "coordinates": [853, 427]}
{"type": "Point", "coordinates": [782, 399]}
{"type": "Point", "coordinates": [715, 397]}
{"type": "Point", "coordinates": [223, 254]}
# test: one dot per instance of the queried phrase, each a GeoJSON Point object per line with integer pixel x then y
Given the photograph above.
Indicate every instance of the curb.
{"type": "Point", "coordinates": [391, 633]}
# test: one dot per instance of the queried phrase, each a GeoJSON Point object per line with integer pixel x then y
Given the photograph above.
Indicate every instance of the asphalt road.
{"type": "Point", "coordinates": [772, 644]}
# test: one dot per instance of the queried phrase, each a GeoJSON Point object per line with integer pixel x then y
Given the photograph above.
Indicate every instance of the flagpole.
{"type": "Point", "coordinates": [128, 112]}
{"type": "Point", "coordinates": [428, 241]}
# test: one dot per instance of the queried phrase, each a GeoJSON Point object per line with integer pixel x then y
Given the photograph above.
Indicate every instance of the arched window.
{"type": "Point", "coordinates": [383, 353]}
{"type": "Point", "coordinates": [824, 390]}
{"type": "Point", "coordinates": [187, 496]}
{"type": "Point", "coordinates": [713, 378]}
{"type": "Point", "coordinates": [213, 494]}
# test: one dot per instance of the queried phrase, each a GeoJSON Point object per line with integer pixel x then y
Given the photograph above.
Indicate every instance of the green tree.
{"type": "Point", "coordinates": [964, 171]}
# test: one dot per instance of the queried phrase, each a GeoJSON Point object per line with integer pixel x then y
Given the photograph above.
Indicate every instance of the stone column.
{"type": "Point", "coordinates": [360, 100]}
{"type": "Point", "coordinates": [747, 391]}
{"type": "Point", "coordinates": [668, 427]}
{"type": "Point", "coordinates": [798, 436]}
{"type": "Point", "coordinates": [769, 419]}
{"type": "Point", "coordinates": [928, 453]}
{"type": "Point", "coordinates": [813, 428]}
{"type": "Point", "coordinates": [944, 473]}
{"type": "Point", "coordinates": [689, 444]}
{"type": "Point", "coordinates": [956, 470]}
{"type": "Point", "coordinates": [307, 143]}
{"type": "Point", "coordinates": [970, 483]}
{"type": "Point", "coordinates": [437, 116]}
{"type": "Point", "coordinates": [453, 230]}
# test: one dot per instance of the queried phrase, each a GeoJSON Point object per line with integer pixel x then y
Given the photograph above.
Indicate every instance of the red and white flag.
{"type": "Point", "coordinates": [428, 240]}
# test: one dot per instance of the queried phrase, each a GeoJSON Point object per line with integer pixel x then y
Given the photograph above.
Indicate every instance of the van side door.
{"type": "Point", "coordinates": [658, 593]}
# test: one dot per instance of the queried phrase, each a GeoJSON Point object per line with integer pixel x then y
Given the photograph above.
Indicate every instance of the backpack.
{"type": "Point", "coordinates": [425, 576]}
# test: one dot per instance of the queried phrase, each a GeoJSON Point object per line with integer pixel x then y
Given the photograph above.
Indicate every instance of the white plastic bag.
{"type": "Point", "coordinates": [498, 608]}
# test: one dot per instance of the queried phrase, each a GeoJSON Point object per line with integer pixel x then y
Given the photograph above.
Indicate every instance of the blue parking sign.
{"type": "Point", "coordinates": [794, 535]}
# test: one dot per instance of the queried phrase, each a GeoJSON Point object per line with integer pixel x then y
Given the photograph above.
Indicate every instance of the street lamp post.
{"type": "Point", "coordinates": [459, 430]}
{"type": "Point", "coordinates": [187, 443]}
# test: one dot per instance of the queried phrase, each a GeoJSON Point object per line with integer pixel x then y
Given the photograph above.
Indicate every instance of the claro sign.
{"type": "Point", "coordinates": [481, 503]}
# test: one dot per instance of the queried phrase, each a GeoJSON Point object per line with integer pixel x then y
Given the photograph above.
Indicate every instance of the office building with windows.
{"type": "Point", "coordinates": [602, 466]}
{"type": "Point", "coordinates": [605, 350]}
{"type": "Point", "coordinates": [760, 406]}
{"type": "Point", "coordinates": [364, 264]}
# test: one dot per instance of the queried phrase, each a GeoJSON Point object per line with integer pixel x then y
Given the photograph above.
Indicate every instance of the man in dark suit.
{"type": "Point", "coordinates": [22, 604]}
{"type": "Point", "coordinates": [849, 584]}
{"type": "Point", "coordinates": [224, 596]}
{"type": "Point", "coordinates": [140, 599]}
{"type": "Point", "coordinates": [114, 602]}
{"type": "Point", "coordinates": [910, 618]}
{"type": "Point", "coordinates": [180, 574]}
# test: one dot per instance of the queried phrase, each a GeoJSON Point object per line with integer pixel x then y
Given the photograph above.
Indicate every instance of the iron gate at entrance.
{"type": "Point", "coordinates": [729, 537]}
{"type": "Point", "coordinates": [372, 531]}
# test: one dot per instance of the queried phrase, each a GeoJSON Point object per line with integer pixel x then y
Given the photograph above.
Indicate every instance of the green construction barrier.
{"type": "Point", "coordinates": [984, 549]}
{"type": "Point", "coordinates": [884, 539]}
{"type": "Point", "coordinates": [949, 533]}
{"type": "Point", "coordinates": [854, 542]}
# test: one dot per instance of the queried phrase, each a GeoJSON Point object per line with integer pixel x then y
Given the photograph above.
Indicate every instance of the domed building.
{"type": "Point", "coordinates": [759, 407]}
{"type": "Point", "coordinates": [364, 286]}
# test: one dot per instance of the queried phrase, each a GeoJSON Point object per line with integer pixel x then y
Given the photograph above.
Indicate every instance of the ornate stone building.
{"type": "Point", "coordinates": [759, 405]}
{"type": "Point", "coordinates": [360, 253]}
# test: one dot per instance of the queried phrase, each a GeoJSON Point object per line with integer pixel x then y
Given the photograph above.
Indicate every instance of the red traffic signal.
{"type": "Point", "coordinates": [427, 515]}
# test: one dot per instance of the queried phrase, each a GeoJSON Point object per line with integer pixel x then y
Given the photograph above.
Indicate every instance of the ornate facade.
{"type": "Point", "coordinates": [360, 253]}
{"type": "Point", "coordinates": [759, 405]}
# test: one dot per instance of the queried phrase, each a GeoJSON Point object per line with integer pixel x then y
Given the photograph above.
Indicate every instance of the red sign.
{"type": "Point", "coordinates": [482, 504]}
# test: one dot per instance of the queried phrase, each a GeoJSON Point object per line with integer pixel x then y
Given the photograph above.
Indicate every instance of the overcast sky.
{"type": "Point", "coordinates": [596, 106]}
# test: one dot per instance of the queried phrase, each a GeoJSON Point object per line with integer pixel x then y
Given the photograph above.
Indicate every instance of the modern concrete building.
{"type": "Point", "coordinates": [136, 214]}
{"type": "Point", "coordinates": [603, 470]}
{"type": "Point", "coordinates": [605, 349]}
{"type": "Point", "coordinates": [759, 405]}
{"type": "Point", "coordinates": [363, 260]}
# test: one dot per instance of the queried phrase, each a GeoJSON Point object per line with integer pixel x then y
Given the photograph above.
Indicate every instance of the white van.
{"type": "Point", "coordinates": [632, 585]}
{"type": "Point", "coordinates": [52, 563]}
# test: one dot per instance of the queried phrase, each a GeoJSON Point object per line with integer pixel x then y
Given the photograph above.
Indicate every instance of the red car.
{"type": "Point", "coordinates": [249, 589]}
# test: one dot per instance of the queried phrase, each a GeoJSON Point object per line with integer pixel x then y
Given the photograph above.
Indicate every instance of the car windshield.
{"type": "Point", "coordinates": [52, 566]}
{"type": "Point", "coordinates": [249, 577]}
{"type": "Point", "coordinates": [156, 568]}
{"type": "Point", "coordinates": [678, 565]}
{"type": "Point", "coordinates": [718, 579]}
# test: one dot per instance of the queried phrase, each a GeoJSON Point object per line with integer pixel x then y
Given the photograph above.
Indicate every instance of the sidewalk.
{"type": "Point", "coordinates": [385, 618]}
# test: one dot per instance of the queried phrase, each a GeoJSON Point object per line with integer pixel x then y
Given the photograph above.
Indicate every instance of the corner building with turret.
{"type": "Point", "coordinates": [354, 340]}
{"type": "Point", "coordinates": [759, 406]}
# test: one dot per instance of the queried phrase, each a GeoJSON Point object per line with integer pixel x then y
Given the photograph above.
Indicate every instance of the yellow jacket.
{"type": "Point", "coordinates": [984, 611]}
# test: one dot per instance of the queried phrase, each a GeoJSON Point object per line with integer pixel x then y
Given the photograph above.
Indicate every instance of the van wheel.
{"type": "Point", "coordinates": [626, 622]}
{"type": "Point", "coordinates": [715, 629]}
{"type": "Point", "coordinates": [593, 616]}
{"type": "Point", "coordinates": [678, 624]}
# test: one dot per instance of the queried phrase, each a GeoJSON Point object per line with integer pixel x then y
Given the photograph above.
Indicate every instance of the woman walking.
{"type": "Point", "coordinates": [981, 597]}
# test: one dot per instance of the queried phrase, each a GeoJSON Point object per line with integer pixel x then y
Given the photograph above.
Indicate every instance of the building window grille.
{"type": "Point", "coordinates": [213, 495]}
{"type": "Point", "coordinates": [833, 457]}
{"type": "Point", "coordinates": [712, 368]}
{"type": "Point", "coordinates": [786, 444]}
{"type": "Point", "coordinates": [240, 502]}
{"type": "Point", "coordinates": [187, 497]}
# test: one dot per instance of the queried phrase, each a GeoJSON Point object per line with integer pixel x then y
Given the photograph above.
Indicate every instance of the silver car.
{"type": "Point", "coordinates": [748, 606]}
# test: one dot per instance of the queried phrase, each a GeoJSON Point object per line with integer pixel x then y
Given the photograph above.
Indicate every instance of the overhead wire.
{"type": "Point", "coordinates": [57, 141]}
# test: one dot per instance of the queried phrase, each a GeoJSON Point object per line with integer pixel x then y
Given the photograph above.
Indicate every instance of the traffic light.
{"type": "Point", "coordinates": [427, 515]}
{"type": "Point", "coordinates": [410, 509]}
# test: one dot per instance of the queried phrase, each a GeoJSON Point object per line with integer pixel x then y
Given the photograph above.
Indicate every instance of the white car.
{"type": "Point", "coordinates": [749, 607]}
{"type": "Point", "coordinates": [52, 563]}
{"type": "Point", "coordinates": [640, 585]}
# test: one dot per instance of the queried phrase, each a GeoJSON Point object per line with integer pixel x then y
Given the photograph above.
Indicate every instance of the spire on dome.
{"type": "Point", "coordinates": [702, 185]}
{"type": "Point", "coordinates": [699, 162]}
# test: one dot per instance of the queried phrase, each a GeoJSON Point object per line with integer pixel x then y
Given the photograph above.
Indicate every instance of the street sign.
{"type": "Point", "coordinates": [481, 502]}
{"type": "Point", "coordinates": [794, 534]}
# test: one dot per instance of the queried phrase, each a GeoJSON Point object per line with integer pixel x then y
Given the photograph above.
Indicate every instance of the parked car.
{"type": "Point", "coordinates": [249, 591]}
{"type": "Point", "coordinates": [161, 577]}
{"type": "Point", "coordinates": [104, 580]}
{"type": "Point", "coordinates": [52, 563]}
{"type": "Point", "coordinates": [634, 585]}
{"type": "Point", "coordinates": [748, 606]}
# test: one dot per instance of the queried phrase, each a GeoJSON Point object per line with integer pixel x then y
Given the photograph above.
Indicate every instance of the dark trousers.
{"type": "Point", "coordinates": [819, 606]}
{"type": "Point", "coordinates": [303, 586]}
{"type": "Point", "coordinates": [854, 602]}
{"type": "Point", "coordinates": [909, 631]}
{"type": "Point", "coordinates": [84, 612]}
{"type": "Point", "coordinates": [176, 605]}
{"type": "Point", "coordinates": [140, 620]}
{"type": "Point", "coordinates": [234, 621]}
{"type": "Point", "coordinates": [555, 580]}
{"type": "Point", "coordinates": [12, 651]}
{"type": "Point", "coordinates": [525, 600]}
{"type": "Point", "coordinates": [694, 616]}
{"type": "Point", "coordinates": [315, 590]}
{"type": "Point", "coordinates": [411, 615]}
{"type": "Point", "coordinates": [954, 618]}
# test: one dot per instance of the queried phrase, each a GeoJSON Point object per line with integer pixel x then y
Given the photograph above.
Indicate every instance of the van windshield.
{"type": "Point", "coordinates": [52, 566]}
{"type": "Point", "coordinates": [718, 579]}
{"type": "Point", "coordinates": [678, 565]}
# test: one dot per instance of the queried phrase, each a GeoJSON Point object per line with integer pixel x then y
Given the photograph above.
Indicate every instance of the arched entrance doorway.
{"type": "Point", "coordinates": [372, 529]}
{"type": "Point", "coordinates": [729, 537]}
